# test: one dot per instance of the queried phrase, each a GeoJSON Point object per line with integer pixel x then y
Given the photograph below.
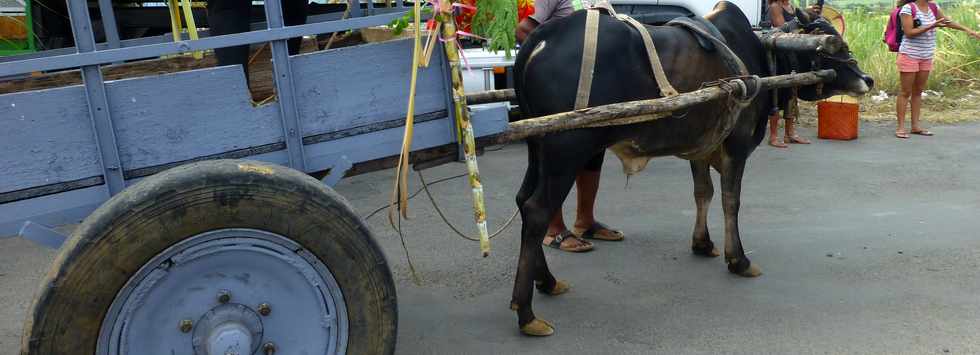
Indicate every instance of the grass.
{"type": "Point", "coordinates": [957, 57]}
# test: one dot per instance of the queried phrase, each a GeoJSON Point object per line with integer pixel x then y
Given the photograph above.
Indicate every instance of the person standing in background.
{"type": "Point", "coordinates": [781, 12]}
{"type": "Point", "coordinates": [919, 21]}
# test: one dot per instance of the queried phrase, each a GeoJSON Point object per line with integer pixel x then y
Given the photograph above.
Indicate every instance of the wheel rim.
{"type": "Point", "coordinates": [228, 291]}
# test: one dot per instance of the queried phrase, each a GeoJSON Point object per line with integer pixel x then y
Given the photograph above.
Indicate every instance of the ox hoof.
{"type": "Point", "coordinates": [744, 268]}
{"type": "Point", "coordinates": [752, 271]}
{"type": "Point", "coordinates": [538, 328]}
{"type": "Point", "coordinates": [559, 288]}
{"type": "Point", "coordinates": [706, 250]}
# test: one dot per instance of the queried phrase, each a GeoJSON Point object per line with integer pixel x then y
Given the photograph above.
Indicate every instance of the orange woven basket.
{"type": "Point", "coordinates": [837, 120]}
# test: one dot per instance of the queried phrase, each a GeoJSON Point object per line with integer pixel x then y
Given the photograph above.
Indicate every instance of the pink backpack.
{"type": "Point", "coordinates": [894, 32]}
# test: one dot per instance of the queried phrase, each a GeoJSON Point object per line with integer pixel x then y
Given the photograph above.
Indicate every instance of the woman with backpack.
{"type": "Point", "coordinates": [918, 20]}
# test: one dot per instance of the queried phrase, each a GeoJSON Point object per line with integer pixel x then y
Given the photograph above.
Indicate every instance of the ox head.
{"type": "Point", "coordinates": [850, 79]}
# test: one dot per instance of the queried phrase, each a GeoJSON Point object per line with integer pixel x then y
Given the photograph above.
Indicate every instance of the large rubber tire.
{"type": "Point", "coordinates": [147, 218]}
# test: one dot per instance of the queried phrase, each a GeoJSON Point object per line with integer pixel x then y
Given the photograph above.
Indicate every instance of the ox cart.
{"type": "Point", "coordinates": [203, 229]}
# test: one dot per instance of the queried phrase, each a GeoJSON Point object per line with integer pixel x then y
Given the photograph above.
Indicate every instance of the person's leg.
{"type": "Point", "coordinates": [921, 78]}
{"type": "Point", "coordinates": [791, 136]}
{"type": "Point", "coordinates": [907, 81]}
{"type": "Point", "coordinates": [792, 113]}
{"type": "Point", "coordinates": [587, 182]}
{"type": "Point", "coordinates": [774, 132]}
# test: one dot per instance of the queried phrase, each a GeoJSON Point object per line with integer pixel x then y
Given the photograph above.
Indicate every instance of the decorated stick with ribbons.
{"type": "Point", "coordinates": [463, 124]}
{"type": "Point", "coordinates": [498, 21]}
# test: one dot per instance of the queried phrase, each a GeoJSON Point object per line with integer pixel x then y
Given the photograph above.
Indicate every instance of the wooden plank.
{"type": "Point", "coordinates": [181, 116]}
{"type": "Point", "coordinates": [371, 86]}
{"type": "Point", "coordinates": [488, 120]}
{"type": "Point", "coordinates": [47, 138]}
{"type": "Point", "coordinates": [260, 70]}
{"type": "Point", "coordinates": [799, 42]}
{"type": "Point", "coordinates": [378, 144]}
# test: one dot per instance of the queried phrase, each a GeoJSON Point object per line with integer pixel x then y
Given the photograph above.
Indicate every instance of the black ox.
{"type": "Point", "coordinates": [547, 74]}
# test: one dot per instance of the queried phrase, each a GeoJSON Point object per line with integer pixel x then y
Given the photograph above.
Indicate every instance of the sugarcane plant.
{"type": "Point", "coordinates": [496, 21]}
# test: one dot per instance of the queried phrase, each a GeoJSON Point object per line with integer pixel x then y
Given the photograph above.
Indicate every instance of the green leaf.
{"type": "Point", "coordinates": [496, 20]}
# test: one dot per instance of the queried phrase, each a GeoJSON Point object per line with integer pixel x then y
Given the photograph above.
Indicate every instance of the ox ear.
{"type": "Point", "coordinates": [804, 17]}
{"type": "Point", "coordinates": [821, 26]}
{"type": "Point", "coordinates": [792, 26]}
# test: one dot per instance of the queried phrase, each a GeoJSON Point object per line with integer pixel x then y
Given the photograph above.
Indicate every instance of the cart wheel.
{"type": "Point", "coordinates": [218, 257]}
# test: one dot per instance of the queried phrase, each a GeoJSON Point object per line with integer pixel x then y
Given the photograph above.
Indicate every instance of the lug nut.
{"type": "Point", "coordinates": [264, 309]}
{"type": "Point", "coordinates": [224, 296]}
{"type": "Point", "coordinates": [186, 325]}
{"type": "Point", "coordinates": [269, 348]}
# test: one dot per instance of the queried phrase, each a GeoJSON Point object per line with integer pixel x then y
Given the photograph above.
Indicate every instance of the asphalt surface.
{"type": "Point", "coordinates": [867, 247]}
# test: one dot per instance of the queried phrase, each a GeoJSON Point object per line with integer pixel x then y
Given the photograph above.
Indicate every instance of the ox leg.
{"type": "Point", "coordinates": [731, 170]}
{"type": "Point", "coordinates": [541, 201]}
{"type": "Point", "coordinates": [703, 191]}
{"type": "Point", "coordinates": [544, 280]}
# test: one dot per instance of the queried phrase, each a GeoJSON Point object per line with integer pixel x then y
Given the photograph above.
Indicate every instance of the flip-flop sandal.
{"type": "Point", "coordinates": [593, 233]}
{"type": "Point", "coordinates": [556, 243]}
{"type": "Point", "coordinates": [923, 132]}
{"type": "Point", "coordinates": [902, 135]}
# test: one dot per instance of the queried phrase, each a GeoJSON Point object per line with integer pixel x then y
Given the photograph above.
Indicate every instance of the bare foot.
{"type": "Point", "coordinates": [775, 142]}
{"type": "Point", "coordinates": [796, 139]}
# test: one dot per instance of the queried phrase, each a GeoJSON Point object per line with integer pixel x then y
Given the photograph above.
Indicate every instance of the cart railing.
{"type": "Point", "coordinates": [66, 150]}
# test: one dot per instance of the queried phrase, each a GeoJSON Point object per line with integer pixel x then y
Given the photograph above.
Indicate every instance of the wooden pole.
{"type": "Point", "coordinates": [485, 97]}
{"type": "Point", "coordinates": [783, 41]}
{"type": "Point", "coordinates": [465, 127]}
{"type": "Point", "coordinates": [645, 110]}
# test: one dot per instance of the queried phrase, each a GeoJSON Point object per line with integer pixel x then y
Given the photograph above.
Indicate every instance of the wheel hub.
{"type": "Point", "coordinates": [224, 292]}
{"type": "Point", "coordinates": [228, 329]}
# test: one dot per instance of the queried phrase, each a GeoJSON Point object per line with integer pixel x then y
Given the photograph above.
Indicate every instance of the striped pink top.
{"type": "Point", "coordinates": [922, 46]}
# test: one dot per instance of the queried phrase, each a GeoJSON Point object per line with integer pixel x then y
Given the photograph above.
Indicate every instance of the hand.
{"type": "Point", "coordinates": [942, 22]}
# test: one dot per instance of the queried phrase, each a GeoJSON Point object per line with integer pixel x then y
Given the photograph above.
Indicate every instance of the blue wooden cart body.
{"type": "Point", "coordinates": [64, 151]}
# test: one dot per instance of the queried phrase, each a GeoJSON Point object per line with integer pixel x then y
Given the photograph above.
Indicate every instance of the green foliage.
{"type": "Point", "coordinates": [399, 25]}
{"type": "Point", "coordinates": [497, 21]}
{"type": "Point", "coordinates": [957, 61]}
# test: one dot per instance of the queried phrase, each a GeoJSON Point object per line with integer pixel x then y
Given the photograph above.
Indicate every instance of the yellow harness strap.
{"type": "Point", "coordinates": [590, 44]}
{"type": "Point", "coordinates": [588, 59]}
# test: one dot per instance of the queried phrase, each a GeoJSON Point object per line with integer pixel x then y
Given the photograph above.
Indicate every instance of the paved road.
{"type": "Point", "coordinates": [898, 219]}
